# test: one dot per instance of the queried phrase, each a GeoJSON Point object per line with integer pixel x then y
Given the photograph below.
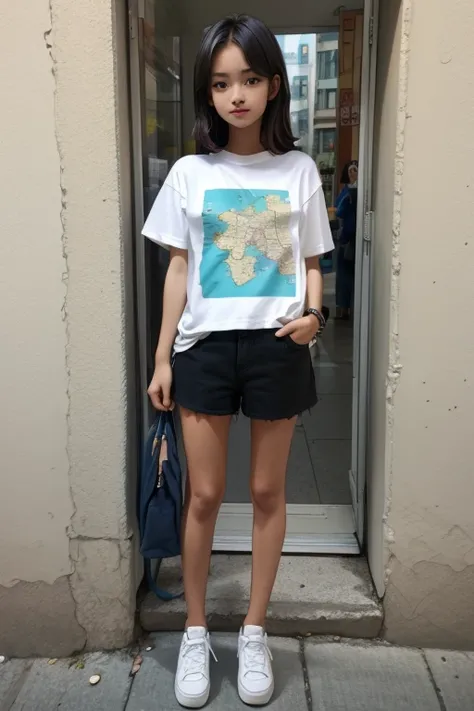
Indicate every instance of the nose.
{"type": "Point", "coordinates": [238, 97]}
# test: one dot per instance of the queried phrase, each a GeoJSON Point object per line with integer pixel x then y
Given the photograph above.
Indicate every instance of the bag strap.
{"type": "Point", "coordinates": [159, 592]}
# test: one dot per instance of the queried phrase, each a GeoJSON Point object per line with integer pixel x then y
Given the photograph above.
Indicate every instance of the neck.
{"type": "Point", "coordinates": [245, 141]}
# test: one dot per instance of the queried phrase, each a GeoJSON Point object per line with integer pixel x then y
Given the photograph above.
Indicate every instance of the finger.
{"type": "Point", "coordinates": [167, 398]}
{"type": "Point", "coordinates": [289, 328]}
{"type": "Point", "coordinates": [155, 397]}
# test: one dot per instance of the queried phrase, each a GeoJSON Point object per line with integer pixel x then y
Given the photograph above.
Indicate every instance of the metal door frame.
{"type": "Point", "coordinates": [136, 16]}
{"type": "Point", "coordinates": [365, 222]}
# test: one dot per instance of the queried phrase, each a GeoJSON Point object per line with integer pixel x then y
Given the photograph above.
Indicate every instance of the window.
{"type": "Point", "coordinates": [328, 37]}
{"type": "Point", "coordinates": [327, 64]}
{"type": "Point", "coordinates": [328, 140]}
{"type": "Point", "coordinates": [303, 52]}
{"type": "Point", "coordinates": [324, 140]}
{"type": "Point", "coordinates": [299, 88]}
{"type": "Point", "coordinates": [326, 99]}
{"type": "Point", "coordinates": [303, 121]}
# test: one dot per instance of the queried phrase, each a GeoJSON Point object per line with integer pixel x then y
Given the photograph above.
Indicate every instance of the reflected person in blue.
{"type": "Point", "coordinates": [346, 211]}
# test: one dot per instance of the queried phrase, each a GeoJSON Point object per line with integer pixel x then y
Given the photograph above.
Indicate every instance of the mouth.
{"type": "Point", "coordinates": [239, 112]}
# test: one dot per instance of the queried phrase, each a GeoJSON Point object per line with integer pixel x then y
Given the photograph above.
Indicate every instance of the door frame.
{"type": "Point", "coordinates": [136, 16]}
{"type": "Point", "coordinates": [311, 528]}
{"type": "Point", "coordinates": [365, 222]}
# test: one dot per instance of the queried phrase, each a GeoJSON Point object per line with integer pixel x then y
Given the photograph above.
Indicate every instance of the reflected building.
{"type": "Point", "coordinates": [312, 65]}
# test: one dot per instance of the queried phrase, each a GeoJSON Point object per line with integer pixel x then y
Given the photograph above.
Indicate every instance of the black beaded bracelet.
{"type": "Point", "coordinates": [319, 316]}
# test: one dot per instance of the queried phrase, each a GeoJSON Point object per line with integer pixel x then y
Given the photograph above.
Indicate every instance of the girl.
{"type": "Point", "coordinates": [346, 211]}
{"type": "Point", "coordinates": [245, 225]}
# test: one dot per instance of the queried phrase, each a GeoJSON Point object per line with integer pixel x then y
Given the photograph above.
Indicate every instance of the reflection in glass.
{"type": "Point", "coordinates": [162, 143]}
{"type": "Point", "coordinates": [162, 103]}
{"type": "Point", "coordinates": [312, 64]}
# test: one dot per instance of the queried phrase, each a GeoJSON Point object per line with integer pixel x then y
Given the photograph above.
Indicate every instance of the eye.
{"type": "Point", "coordinates": [219, 85]}
{"type": "Point", "coordinates": [253, 81]}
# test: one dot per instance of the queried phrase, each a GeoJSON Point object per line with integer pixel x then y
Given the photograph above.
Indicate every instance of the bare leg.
{"type": "Point", "coordinates": [271, 443]}
{"type": "Point", "coordinates": [205, 443]}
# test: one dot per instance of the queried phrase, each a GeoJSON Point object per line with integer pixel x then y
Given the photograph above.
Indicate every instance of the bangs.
{"type": "Point", "coordinates": [253, 51]}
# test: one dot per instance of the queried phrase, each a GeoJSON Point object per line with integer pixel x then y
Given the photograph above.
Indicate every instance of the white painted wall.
{"type": "Point", "coordinates": [429, 357]}
{"type": "Point", "coordinates": [383, 358]}
{"type": "Point", "coordinates": [89, 47]}
{"type": "Point", "coordinates": [432, 565]}
{"type": "Point", "coordinates": [35, 504]}
{"type": "Point", "coordinates": [67, 505]}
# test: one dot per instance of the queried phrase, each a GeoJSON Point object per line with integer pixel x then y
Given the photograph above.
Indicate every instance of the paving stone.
{"type": "Point", "coordinates": [357, 677]}
{"type": "Point", "coordinates": [66, 687]}
{"type": "Point", "coordinates": [12, 676]}
{"type": "Point", "coordinates": [153, 686]}
{"type": "Point", "coordinates": [453, 673]}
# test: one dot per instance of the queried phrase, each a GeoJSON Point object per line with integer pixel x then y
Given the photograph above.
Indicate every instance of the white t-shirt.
{"type": "Point", "coordinates": [248, 223]}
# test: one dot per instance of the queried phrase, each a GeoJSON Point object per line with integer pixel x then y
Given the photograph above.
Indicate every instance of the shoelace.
{"type": "Point", "coordinates": [253, 652]}
{"type": "Point", "coordinates": [194, 656]}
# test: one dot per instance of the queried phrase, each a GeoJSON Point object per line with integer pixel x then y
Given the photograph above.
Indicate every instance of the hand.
{"type": "Point", "coordinates": [159, 389]}
{"type": "Point", "coordinates": [301, 330]}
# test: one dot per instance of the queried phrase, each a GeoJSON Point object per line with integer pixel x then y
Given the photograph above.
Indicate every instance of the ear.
{"type": "Point", "coordinates": [274, 87]}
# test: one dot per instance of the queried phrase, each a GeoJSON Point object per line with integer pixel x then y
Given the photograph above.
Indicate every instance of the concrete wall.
{"type": "Point", "coordinates": [383, 370]}
{"type": "Point", "coordinates": [66, 547]}
{"type": "Point", "coordinates": [429, 448]}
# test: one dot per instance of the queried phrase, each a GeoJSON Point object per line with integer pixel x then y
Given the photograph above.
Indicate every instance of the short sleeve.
{"type": "Point", "coordinates": [315, 232]}
{"type": "Point", "coordinates": [167, 224]}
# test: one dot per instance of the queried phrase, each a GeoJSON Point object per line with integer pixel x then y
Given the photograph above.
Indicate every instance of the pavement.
{"type": "Point", "coordinates": [311, 674]}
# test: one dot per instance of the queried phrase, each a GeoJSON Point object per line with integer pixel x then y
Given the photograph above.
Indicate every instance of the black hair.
{"type": "Point", "coordinates": [265, 58]}
{"type": "Point", "coordinates": [345, 180]}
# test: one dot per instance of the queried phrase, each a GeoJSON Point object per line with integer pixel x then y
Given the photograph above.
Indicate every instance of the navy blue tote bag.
{"type": "Point", "coordinates": [160, 498]}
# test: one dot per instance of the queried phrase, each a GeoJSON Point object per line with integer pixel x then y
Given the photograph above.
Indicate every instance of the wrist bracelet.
{"type": "Point", "coordinates": [319, 316]}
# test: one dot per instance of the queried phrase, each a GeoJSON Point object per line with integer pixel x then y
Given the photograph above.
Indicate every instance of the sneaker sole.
{"type": "Point", "coordinates": [256, 699]}
{"type": "Point", "coordinates": [191, 702]}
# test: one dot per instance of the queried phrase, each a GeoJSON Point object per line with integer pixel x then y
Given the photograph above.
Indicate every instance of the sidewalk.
{"type": "Point", "coordinates": [311, 675]}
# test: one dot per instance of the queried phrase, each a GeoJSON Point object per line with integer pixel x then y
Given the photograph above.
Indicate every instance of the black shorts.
{"type": "Point", "coordinates": [268, 378]}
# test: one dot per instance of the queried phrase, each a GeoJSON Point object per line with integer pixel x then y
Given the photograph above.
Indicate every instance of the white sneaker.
{"type": "Point", "coordinates": [255, 682]}
{"type": "Point", "coordinates": [192, 683]}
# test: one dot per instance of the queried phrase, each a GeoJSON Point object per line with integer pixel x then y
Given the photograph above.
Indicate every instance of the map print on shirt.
{"type": "Point", "coordinates": [247, 244]}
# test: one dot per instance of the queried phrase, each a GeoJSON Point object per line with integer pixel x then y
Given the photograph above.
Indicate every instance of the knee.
{"type": "Point", "coordinates": [266, 497]}
{"type": "Point", "coordinates": [205, 502]}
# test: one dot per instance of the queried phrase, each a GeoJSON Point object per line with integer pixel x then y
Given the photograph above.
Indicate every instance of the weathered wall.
{"type": "Point", "coordinates": [383, 371]}
{"type": "Point", "coordinates": [430, 527]}
{"type": "Point", "coordinates": [35, 503]}
{"type": "Point", "coordinates": [66, 551]}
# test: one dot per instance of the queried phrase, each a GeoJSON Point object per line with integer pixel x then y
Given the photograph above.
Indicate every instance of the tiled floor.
{"type": "Point", "coordinates": [320, 455]}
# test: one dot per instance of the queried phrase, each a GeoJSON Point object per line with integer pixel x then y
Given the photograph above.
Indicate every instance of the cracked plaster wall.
{"type": "Point", "coordinates": [384, 281]}
{"type": "Point", "coordinates": [35, 505]}
{"type": "Point", "coordinates": [425, 509]}
{"type": "Point", "coordinates": [66, 538]}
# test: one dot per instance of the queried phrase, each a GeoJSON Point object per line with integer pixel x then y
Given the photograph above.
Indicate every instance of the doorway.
{"type": "Point", "coordinates": [329, 59]}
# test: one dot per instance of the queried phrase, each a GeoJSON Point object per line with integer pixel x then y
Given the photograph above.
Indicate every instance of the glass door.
{"type": "Point", "coordinates": [155, 61]}
{"type": "Point", "coordinates": [326, 473]}
{"type": "Point", "coordinates": [320, 505]}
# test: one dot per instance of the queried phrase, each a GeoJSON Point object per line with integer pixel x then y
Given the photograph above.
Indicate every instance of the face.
{"type": "Point", "coordinates": [353, 174]}
{"type": "Point", "coordinates": [238, 94]}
